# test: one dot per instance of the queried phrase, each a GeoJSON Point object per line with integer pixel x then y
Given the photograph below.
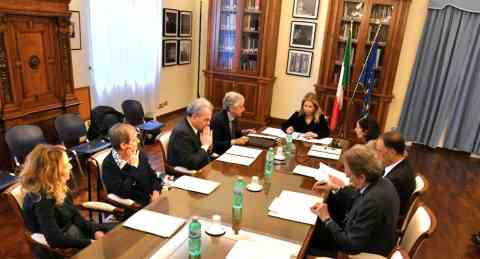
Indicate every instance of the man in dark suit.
{"type": "Point", "coordinates": [226, 131]}
{"type": "Point", "coordinates": [390, 149]}
{"type": "Point", "coordinates": [191, 139]}
{"type": "Point", "coordinates": [371, 223]}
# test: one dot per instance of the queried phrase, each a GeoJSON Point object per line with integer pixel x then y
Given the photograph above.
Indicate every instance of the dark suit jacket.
{"type": "Point", "coordinates": [131, 182]}
{"type": "Point", "coordinates": [299, 125]}
{"type": "Point", "coordinates": [221, 132]}
{"type": "Point", "coordinates": [370, 226]}
{"type": "Point", "coordinates": [185, 148]}
{"type": "Point", "coordinates": [403, 179]}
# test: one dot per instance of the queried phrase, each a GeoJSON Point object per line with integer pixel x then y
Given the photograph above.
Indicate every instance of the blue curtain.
{"type": "Point", "coordinates": [444, 94]}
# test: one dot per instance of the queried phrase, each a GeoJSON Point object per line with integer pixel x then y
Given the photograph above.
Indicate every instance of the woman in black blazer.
{"type": "Point", "coordinates": [308, 120]}
{"type": "Point", "coordinates": [48, 208]}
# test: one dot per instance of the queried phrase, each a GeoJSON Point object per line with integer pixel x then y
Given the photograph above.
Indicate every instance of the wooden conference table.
{"type": "Point", "coordinates": [123, 242]}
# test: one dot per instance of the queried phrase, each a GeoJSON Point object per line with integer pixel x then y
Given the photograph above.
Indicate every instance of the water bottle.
{"type": "Point", "coordinates": [269, 162]}
{"type": "Point", "coordinates": [288, 148]}
{"type": "Point", "coordinates": [194, 238]}
{"type": "Point", "coordinates": [238, 193]}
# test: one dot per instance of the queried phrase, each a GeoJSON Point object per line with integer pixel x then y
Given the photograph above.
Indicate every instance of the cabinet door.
{"type": "Point", "coordinates": [249, 91]}
{"type": "Point", "coordinates": [220, 87]}
{"type": "Point", "coordinates": [34, 59]}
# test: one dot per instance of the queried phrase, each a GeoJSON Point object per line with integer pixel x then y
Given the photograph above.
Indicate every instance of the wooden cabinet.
{"type": "Point", "coordinates": [365, 17]}
{"type": "Point", "coordinates": [242, 43]}
{"type": "Point", "coordinates": [36, 78]}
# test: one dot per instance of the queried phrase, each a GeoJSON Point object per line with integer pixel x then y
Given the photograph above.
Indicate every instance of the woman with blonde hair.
{"type": "Point", "coordinates": [47, 207]}
{"type": "Point", "coordinates": [309, 119]}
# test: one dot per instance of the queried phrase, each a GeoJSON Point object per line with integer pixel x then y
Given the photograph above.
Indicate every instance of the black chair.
{"type": "Point", "coordinates": [70, 129]}
{"type": "Point", "coordinates": [102, 118]}
{"type": "Point", "coordinates": [21, 140]}
{"type": "Point", "coordinates": [134, 115]}
{"type": "Point", "coordinates": [7, 179]}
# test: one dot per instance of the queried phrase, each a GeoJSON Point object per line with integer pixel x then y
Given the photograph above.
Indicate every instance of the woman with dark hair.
{"type": "Point", "coordinates": [309, 119]}
{"type": "Point", "coordinates": [367, 129]}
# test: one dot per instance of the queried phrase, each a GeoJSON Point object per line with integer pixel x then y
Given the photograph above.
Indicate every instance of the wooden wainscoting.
{"type": "Point", "coordinates": [83, 95]}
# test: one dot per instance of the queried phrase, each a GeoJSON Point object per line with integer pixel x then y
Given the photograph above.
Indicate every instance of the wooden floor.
{"type": "Point", "coordinates": [454, 196]}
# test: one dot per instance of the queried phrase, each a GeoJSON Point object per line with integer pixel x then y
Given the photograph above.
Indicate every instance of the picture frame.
{"type": "Point", "coordinates": [306, 9]}
{"type": "Point", "coordinates": [75, 31]}
{"type": "Point", "coordinates": [169, 53]}
{"type": "Point", "coordinates": [184, 52]}
{"type": "Point", "coordinates": [170, 22]}
{"type": "Point", "coordinates": [299, 62]}
{"type": "Point", "coordinates": [302, 35]}
{"type": "Point", "coordinates": [185, 24]}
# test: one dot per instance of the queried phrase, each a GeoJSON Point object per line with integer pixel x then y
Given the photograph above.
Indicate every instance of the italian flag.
{"type": "Point", "coordinates": [343, 82]}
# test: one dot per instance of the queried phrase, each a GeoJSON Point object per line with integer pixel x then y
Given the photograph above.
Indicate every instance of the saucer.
{"type": "Point", "coordinates": [279, 157]}
{"type": "Point", "coordinates": [215, 231]}
{"type": "Point", "coordinates": [254, 187]}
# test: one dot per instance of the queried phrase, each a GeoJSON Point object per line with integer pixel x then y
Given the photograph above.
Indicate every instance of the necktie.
{"type": "Point", "coordinates": [233, 127]}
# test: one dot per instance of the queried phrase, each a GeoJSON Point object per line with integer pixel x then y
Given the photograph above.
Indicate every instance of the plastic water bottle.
{"type": "Point", "coordinates": [195, 238]}
{"type": "Point", "coordinates": [238, 193]}
{"type": "Point", "coordinates": [269, 162]}
{"type": "Point", "coordinates": [288, 148]}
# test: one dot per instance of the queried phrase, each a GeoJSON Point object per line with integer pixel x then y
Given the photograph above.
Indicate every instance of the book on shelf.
{"type": "Point", "coordinates": [253, 5]}
{"type": "Point", "coordinates": [229, 4]}
{"type": "Point", "coordinates": [378, 58]}
{"type": "Point", "coordinates": [229, 22]}
{"type": "Point", "coordinates": [250, 23]}
{"type": "Point", "coordinates": [381, 11]}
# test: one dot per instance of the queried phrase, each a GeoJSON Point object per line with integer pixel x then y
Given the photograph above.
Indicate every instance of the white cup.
{"type": "Point", "coordinates": [279, 151]}
{"type": "Point", "coordinates": [254, 181]}
{"type": "Point", "coordinates": [216, 220]}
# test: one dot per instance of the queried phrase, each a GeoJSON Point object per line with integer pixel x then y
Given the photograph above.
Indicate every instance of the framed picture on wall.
{"type": "Point", "coordinates": [170, 22]}
{"type": "Point", "coordinates": [184, 52]}
{"type": "Point", "coordinates": [299, 62]}
{"type": "Point", "coordinates": [170, 48]}
{"type": "Point", "coordinates": [306, 9]}
{"type": "Point", "coordinates": [302, 34]}
{"type": "Point", "coordinates": [75, 31]}
{"type": "Point", "coordinates": [185, 25]}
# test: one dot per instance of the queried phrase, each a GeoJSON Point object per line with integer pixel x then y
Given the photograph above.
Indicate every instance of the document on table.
{"type": "Point", "coordinates": [294, 206]}
{"type": "Point", "coordinates": [280, 133]}
{"type": "Point", "coordinates": [154, 223]}
{"type": "Point", "coordinates": [323, 141]}
{"type": "Point", "coordinates": [195, 184]}
{"type": "Point", "coordinates": [254, 135]}
{"type": "Point", "coordinates": [306, 171]}
{"type": "Point", "coordinates": [240, 155]}
{"type": "Point", "coordinates": [325, 152]}
{"type": "Point", "coordinates": [325, 169]}
{"type": "Point", "coordinates": [253, 249]}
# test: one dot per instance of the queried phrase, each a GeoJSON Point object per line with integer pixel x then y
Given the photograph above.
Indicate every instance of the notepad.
{"type": "Point", "coordinates": [240, 155]}
{"type": "Point", "coordinates": [325, 149]}
{"type": "Point", "coordinates": [320, 154]}
{"type": "Point", "coordinates": [262, 136]}
{"type": "Point", "coordinates": [253, 249]}
{"type": "Point", "coordinates": [280, 133]}
{"type": "Point", "coordinates": [154, 223]}
{"type": "Point", "coordinates": [306, 171]}
{"type": "Point", "coordinates": [195, 184]}
{"type": "Point", "coordinates": [294, 206]}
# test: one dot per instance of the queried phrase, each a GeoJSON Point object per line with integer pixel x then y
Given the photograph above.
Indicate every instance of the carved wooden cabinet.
{"type": "Point", "coordinates": [364, 16]}
{"type": "Point", "coordinates": [242, 44]}
{"type": "Point", "coordinates": [36, 78]}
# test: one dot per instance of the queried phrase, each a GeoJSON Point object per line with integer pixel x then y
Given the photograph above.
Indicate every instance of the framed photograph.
{"type": "Point", "coordinates": [299, 62]}
{"type": "Point", "coordinates": [306, 9]}
{"type": "Point", "coordinates": [170, 48]}
{"type": "Point", "coordinates": [170, 22]}
{"type": "Point", "coordinates": [184, 52]}
{"type": "Point", "coordinates": [185, 25]}
{"type": "Point", "coordinates": [75, 31]}
{"type": "Point", "coordinates": [302, 35]}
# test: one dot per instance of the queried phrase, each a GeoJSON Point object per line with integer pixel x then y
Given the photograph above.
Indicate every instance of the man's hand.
{"type": "Point", "coordinates": [240, 141]}
{"type": "Point", "coordinates": [248, 131]}
{"type": "Point", "coordinates": [99, 235]}
{"type": "Point", "coordinates": [321, 187]}
{"type": "Point", "coordinates": [155, 196]}
{"type": "Point", "coordinates": [321, 210]}
{"type": "Point", "coordinates": [336, 182]}
{"type": "Point", "coordinates": [206, 137]}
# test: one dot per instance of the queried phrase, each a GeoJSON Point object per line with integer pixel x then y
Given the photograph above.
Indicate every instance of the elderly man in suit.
{"type": "Point", "coordinates": [390, 148]}
{"type": "Point", "coordinates": [191, 140]}
{"type": "Point", "coordinates": [370, 225]}
{"type": "Point", "coordinates": [226, 131]}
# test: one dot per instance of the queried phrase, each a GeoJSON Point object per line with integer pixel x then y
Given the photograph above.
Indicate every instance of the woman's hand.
{"type": "Point", "coordinates": [310, 135]}
{"type": "Point", "coordinates": [290, 130]}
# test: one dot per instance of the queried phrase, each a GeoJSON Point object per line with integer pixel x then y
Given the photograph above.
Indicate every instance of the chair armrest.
{"type": "Point", "coordinates": [123, 203]}
{"type": "Point", "coordinates": [214, 155]}
{"type": "Point", "coordinates": [316, 257]}
{"type": "Point", "coordinates": [39, 239]}
{"type": "Point", "coordinates": [183, 170]}
{"type": "Point", "coordinates": [366, 256]}
{"type": "Point", "coordinates": [100, 206]}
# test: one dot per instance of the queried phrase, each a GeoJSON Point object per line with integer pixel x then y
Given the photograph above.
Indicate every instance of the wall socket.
{"type": "Point", "coordinates": [162, 104]}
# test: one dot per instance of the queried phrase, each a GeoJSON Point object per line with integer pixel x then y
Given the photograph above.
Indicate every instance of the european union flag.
{"type": "Point", "coordinates": [367, 78]}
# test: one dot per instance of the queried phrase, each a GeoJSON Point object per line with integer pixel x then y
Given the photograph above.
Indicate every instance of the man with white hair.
{"type": "Point", "coordinates": [191, 140]}
{"type": "Point", "coordinates": [226, 131]}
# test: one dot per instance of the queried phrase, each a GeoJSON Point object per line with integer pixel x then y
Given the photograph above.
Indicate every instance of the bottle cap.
{"type": "Point", "coordinates": [240, 178]}
{"type": "Point", "coordinates": [195, 218]}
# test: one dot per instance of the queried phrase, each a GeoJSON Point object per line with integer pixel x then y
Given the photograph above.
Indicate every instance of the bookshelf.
{"type": "Point", "coordinates": [365, 17]}
{"type": "Point", "coordinates": [241, 54]}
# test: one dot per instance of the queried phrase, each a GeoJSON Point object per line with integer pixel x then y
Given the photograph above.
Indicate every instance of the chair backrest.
{"type": "Point", "coordinates": [420, 226]}
{"type": "Point", "coordinates": [95, 167]}
{"type": "Point", "coordinates": [164, 139]}
{"type": "Point", "coordinates": [133, 111]}
{"type": "Point", "coordinates": [421, 186]}
{"type": "Point", "coordinates": [70, 128]}
{"type": "Point", "coordinates": [399, 253]}
{"type": "Point", "coordinates": [22, 139]}
{"type": "Point", "coordinates": [101, 119]}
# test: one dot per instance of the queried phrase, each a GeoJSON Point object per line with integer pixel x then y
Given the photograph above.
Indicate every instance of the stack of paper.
{"type": "Point", "coordinates": [240, 155]}
{"type": "Point", "coordinates": [325, 152]}
{"type": "Point", "coordinates": [306, 171]}
{"type": "Point", "coordinates": [262, 136]}
{"type": "Point", "coordinates": [321, 174]}
{"type": "Point", "coordinates": [327, 170]}
{"type": "Point", "coordinates": [195, 184]}
{"type": "Point", "coordinates": [280, 133]}
{"type": "Point", "coordinates": [323, 141]}
{"type": "Point", "coordinates": [154, 223]}
{"type": "Point", "coordinates": [294, 206]}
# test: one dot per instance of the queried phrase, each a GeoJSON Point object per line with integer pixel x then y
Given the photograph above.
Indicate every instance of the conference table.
{"type": "Point", "coordinates": [123, 242]}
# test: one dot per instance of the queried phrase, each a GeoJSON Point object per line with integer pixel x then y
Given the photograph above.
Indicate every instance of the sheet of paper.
{"type": "Point", "coordinates": [325, 149]}
{"type": "Point", "coordinates": [325, 169]}
{"type": "Point", "coordinates": [195, 184]}
{"type": "Point", "coordinates": [260, 250]}
{"type": "Point", "coordinates": [233, 159]}
{"type": "Point", "coordinates": [154, 223]}
{"type": "Point", "coordinates": [294, 206]}
{"type": "Point", "coordinates": [274, 132]}
{"type": "Point", "coordinates": [253, 135]}
{"type": "Point", "coordinates": [244, 151]}
{"type": "Point", "coordinates": [306, 171]}
{"type": "Point", "coordinates": [323, 141]}
{"type": "Point", "coordinates": [323, 155]}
